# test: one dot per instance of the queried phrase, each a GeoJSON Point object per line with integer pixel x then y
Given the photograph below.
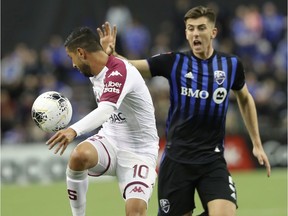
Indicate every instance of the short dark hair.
{"type": "Point", "coordinates": [83, 37]}
{"type": "Point", "coordinates": [201, 11]}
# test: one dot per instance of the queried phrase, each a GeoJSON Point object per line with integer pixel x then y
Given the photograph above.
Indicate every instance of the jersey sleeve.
{"type": "Point", "coordinates": [240, 76]}
{"type": "Point", "coordinates": [114, 82]}
{"type": "Point", "coordinates": [93, 120]}
{"type": "Point", "coordinates": [161, 64]}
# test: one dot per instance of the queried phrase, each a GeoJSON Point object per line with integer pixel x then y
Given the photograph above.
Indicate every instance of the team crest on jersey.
{"type": "Point", "coordinates": [219, 76]}
{"type": "Point", "coordinates": [165, 205]}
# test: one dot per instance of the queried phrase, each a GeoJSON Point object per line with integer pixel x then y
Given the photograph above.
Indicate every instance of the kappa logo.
{"type": "Point", "coordinates": [219, 76]}
{"type": "Point", "coordinates": [137, 190]}
{"type": "Point", "coordinates": [115, 73]}
{"type": "Point", "coordinates": [165, 205]}
{"type": "Point", "coordinates": [189, 75]}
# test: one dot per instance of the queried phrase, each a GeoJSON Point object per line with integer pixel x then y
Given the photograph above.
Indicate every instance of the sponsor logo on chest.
{"type": "Point", "coordinates": [203, 94]}
{"type": "Point", "coordinates": [117, 118]}
{"type": "Point", "coordinates": [113, 87]}
{"type": "Point", "coordinates": [219, 94]}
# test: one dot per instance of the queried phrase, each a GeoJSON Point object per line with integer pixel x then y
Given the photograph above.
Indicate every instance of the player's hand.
{"type": "Point", "coordinates": [108, 37]}
{"type": "Point", "coordinates": [62, 138]}
{"type": "Point", "coordinates": [260, 154]}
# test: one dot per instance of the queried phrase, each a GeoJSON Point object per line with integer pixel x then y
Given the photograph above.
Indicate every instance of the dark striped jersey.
{"type": "Point", "coordinates": [199, 97]}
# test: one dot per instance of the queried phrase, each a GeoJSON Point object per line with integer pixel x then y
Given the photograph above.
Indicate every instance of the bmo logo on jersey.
{"type": "Point", "coordinates": [113, 87]}
{"type": "Point", "coordinates": [117, 118]}
{"type": "Point", "coordinates": [219, 95]}
{"type": "Point", "coordinates": [203, 94]}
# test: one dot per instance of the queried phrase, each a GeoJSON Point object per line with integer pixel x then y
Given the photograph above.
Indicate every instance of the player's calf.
{"type": "Point", "coordinates": [135, 206]}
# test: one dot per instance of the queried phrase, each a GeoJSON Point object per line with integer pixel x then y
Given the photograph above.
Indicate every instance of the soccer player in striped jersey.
{"type": "Point", "coordinates": [200, 80]}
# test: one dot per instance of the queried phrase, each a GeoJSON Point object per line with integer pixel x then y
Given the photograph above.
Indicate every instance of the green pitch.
{"type": "Point", "coordinates": [257, 196]}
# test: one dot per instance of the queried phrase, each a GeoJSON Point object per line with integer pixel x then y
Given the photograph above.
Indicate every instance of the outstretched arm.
{"type": "Point", "coordinates": [107, 36]}
{"type": "Point", "coordinates": [91, 121]}
{"type": "Point", "coordinates": [249, 114]}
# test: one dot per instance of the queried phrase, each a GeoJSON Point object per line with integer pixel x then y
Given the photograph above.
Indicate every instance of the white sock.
{"type": "Point", "coordinates": [77, 186]}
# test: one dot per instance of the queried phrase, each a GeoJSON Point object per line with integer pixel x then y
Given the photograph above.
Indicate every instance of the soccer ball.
{"type": "Point", "coordinates": [51, 111]}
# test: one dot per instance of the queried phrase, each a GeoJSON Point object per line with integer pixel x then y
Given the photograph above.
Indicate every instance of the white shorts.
{"type": "Point", "coordinates": [136, 174]}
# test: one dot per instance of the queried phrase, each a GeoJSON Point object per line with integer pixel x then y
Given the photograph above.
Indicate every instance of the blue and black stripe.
{"type": "Point", "coordinates": [197, 114]}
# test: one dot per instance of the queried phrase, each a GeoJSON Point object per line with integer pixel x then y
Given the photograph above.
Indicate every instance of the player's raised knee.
{"type": "Point", "coordinates": [83, 157]}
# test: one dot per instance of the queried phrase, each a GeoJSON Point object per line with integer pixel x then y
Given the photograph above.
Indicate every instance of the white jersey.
{"type": "Point", "coordinates": [132, 126]}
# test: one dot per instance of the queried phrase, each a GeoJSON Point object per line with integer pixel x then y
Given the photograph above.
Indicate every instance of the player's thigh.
{"type": "Point", "coordinates": [136, 175]}
{"type": "Point", "coordinates": [107, 156]}
{"type": "Point", "coordinates": [217, 185]}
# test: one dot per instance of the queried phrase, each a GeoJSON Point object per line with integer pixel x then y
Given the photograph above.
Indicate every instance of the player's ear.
{"type": "Point", "coordinates": [214, 33]}
{"type": "Point", "coordinates": [81, 53]}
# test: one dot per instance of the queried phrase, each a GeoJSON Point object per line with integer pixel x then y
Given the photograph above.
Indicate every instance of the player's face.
{"type": "Point", "coordinates": [199, 33]}
{"type": "Point", "coordinates": [79, 64]}
{"type": "Point", "coordinates": [85, 69]}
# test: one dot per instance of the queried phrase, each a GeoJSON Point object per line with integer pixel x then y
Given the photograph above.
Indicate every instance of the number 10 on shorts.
{"type": "Point", "coordinates": [140, 171]}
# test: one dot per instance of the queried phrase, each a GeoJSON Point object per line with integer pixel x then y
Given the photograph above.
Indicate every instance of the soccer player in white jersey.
{"type": "Point", "coordinates": [127, 144]}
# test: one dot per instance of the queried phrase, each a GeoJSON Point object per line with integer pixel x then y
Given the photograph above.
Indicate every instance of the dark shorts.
{"type": "Point", "coordinates": [177, 184]}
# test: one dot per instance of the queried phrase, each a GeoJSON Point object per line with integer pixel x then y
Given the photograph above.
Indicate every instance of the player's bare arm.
{"type": "Point", "coordinates": [143, 66]}
{"type": "Point", "coordinates": [63, 138]}
{"type": "Point", "coordinates": [248, 111]}
{"type": "Point", "coordinates": [107, 36]}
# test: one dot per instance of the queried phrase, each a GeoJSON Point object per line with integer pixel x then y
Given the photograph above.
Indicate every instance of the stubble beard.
{"type": "Point", "coordinates": [86, 70]}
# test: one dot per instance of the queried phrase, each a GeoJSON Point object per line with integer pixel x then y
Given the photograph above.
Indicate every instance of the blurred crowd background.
{"type": "Point", "coordinates": [33, 59]}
